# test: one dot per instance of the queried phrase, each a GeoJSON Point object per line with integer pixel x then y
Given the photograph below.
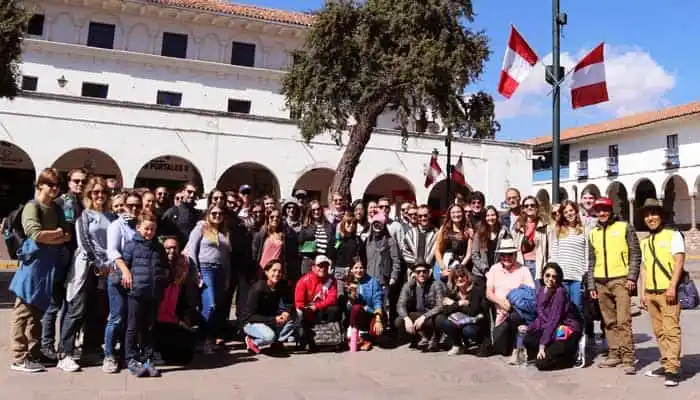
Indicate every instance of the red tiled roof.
{"type": "Point", "coordinates": [266, 14]}
{"type": "Point", "coordinates": [631, 121]}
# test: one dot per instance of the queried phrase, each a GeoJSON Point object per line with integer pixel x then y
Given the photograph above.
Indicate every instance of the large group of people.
{"type": "Point", "coordinates": [140, 282]}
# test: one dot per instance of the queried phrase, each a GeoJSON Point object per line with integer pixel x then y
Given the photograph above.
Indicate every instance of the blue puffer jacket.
{"type": "Point", "coordinates": [370, 294]}
{"type": "Point", "coordinates": [148, 264]}
{"type": "Point", "coordinates": [523, 300]}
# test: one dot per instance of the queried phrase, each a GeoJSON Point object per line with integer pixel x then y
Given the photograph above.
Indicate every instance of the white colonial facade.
{"type": "Point", "coordinates": [655, 154]}
{"type": "Point", "coordinates": [162, 93]}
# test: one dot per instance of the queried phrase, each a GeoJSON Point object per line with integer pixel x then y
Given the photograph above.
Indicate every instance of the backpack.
{"type": "Point", "coordinates": [13, 231]}
{"type": "Point", "coordinates": [687, 293]}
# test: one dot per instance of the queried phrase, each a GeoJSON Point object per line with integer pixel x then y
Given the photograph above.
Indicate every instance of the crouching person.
{"type": "Point", "coordinates": [316, 301]}
{"type": "Point", "coordinates": [419, 303]}
{"type": "Point", "coordinates": [364, 305]}
{"type": "Point", "coordinates": [148, 264]}
{"type": "Point", "coordinates": [268, 318]}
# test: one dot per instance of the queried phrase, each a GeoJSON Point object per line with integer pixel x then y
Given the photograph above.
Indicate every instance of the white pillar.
{"type": "Point", "coordinates": [693, 224]}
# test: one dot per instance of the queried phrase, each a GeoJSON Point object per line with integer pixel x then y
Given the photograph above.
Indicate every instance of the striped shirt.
{"type": "Point", "coordinates": [321, 239]}
{"type": "Point", "coordinates": [571, 253]}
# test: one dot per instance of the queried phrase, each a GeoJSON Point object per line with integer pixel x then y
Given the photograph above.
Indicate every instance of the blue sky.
{"type": "Point", "coordinates": [651, 55]}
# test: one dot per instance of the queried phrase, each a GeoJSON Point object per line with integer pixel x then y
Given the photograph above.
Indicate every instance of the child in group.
{"type": "Point", "coordinates": [147, 260]}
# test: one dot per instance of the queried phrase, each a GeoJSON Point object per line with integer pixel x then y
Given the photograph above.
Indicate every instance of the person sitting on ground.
{"type": "Point", "coordinates": [364, 305]}
{"type": "Point", "coordinates": [268, 317]}
{"type": "Point", "coordinates": [552, 340]}
{"type": "Point", "coordinates": [316, 300]}
{"type": "Point", "coordinates": [419, 303]}
{"type": "Point", "coordinates": [464, 317]}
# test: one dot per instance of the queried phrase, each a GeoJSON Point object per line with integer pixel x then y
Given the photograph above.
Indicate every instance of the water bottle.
{"type": "Point", "coordinates": [68, 208]}
{"type": "Point", "coordinates": [522, 352]}
{"type": "Point", "coordinates": [354, 339]}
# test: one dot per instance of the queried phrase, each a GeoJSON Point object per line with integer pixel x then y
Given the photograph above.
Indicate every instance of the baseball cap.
{"type": "Point", "coordinates": [321, 259]}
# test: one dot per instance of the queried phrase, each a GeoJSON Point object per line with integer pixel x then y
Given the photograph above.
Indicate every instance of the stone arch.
{"type": "Point", "coordinates": [95, 161]}
{"type": "Point", "coordinates": [396, 187]}
{"type": "Point", "coordinates": [593, 188]}
{"type": "Point", "coordinates": [316, 182]}
{"type": "Point", "coordinates": [643, 189]}
{"type": "Point", "coordinates": [18, 177]}
{"type": "Point", "coordinates": [676, 201]}
{"type": "Point", "coordinates": [438, 200]}
{"type": "Point", "coordinates": [617, 192]}
{"type": "Point", "coordinates": [260, 178]}
{"type": "Point", "coordinates": [168, 171]}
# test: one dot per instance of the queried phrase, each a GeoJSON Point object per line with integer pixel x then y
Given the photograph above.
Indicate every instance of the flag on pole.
{"type": "Point", "coordinates": [518, 62]}
{"type": "Point", "coordinates": [458, 172]}
{"type": "Point", "coordinates": [588, 84]}
{"type": "Point", "coordinates": [432, 170]}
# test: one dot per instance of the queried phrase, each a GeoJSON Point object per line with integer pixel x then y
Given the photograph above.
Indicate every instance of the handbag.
{"type": "Point", "coordinates": [459, 318]}
{"type": "Point", "coordinates": [687, 292]}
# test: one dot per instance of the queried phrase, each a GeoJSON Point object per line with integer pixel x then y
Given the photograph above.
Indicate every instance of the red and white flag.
{"type": "Point", "coordinates": [518, 62]}
{"type": "Point", "coordinates": [458, 172]}
{"type": "Point", "coordinates": [588, 85]}
{"type": "Point", "coordinates": [432, 170]}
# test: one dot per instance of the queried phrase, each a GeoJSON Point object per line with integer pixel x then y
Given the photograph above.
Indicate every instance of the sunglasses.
{"type": "Point", "coordinates": [160, 194]}
{"type": "Point", "coordinates": [78, 181]}
{"type": "Point", "coordinates": [530, 205]}
{"type": "Point", "coordinates": [274, 217]}
{"type": "Point", "coordinates": [215, 198]}
{"type": "Point", "coordinates": [550, 276]}
{"type": "Point", "coordinates": [421, 271]}
{"type": "Point", "coordinates": [216, 214]}
{"type": "Point", "coordinates": [98, 192]}
{"type": "Point", "coordinates": [423, 216]}
{"type": "Point", "coordinates": [52, 185]}
{"type": "Point", "coordinates": [190, 191]}
{"type": "Point", "coordinates": [383, 206]}
{"type": "Point", "coordinates": [132, 205]}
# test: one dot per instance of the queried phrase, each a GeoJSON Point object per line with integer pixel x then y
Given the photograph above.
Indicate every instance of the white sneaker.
{"type": "Point", "coordinates": [455, 350]}
{"type": "Point", "coordinates": [68, 364]}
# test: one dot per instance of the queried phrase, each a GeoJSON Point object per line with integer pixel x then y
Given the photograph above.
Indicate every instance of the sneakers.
{"type": "Point", "coordinates": [581, 354]}
{"type": "Point", "coordinates": [455, 351]}
{"type": "Point", "coordinates": [433, 346]}
{"type": "Point", "coordinates": [656, 373]}
{"type": "Point", "coordinates": [68, 364]}
{"type": "Point", "coordinates": [671, 379]}
{"type": "Point", "coordinates": [423, 342]}
{"type": "Point", "coordinates": [610, 362]}
{"type": "Point", "coordinates": [250, 344]}
{"type": "Point", "coordinates": [110, 365]}
{"type": "Point", "coordinates": [151, 369]}
{"type": "Point", "coordinates": [27, 366]}
{"type": "Point", "coordinates": [137, 369]}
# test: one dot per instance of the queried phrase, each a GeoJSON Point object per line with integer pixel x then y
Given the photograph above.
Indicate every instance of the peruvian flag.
{"type": "Point", "coordinates": [433, 170]}
{"type": "Point", "coordinates": [458, 172]}
{"type": "Point", "coordinates": [518, 62]}
{"type": "Point", "coordinates": [588, 85]}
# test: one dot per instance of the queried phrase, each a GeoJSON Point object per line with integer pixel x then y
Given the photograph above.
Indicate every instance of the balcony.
{"type": "Point", "coordinates": [582, 170]}
{"type": "Point", "coordinates": [544, 175]}
{"type": "Point", "coordinates": [672, 160]}
{"type": "Point", "coordinates": [613, 168]}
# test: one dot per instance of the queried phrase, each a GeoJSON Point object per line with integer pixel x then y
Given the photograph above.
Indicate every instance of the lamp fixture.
{"type": "Point", "coordinates": [62, 81]}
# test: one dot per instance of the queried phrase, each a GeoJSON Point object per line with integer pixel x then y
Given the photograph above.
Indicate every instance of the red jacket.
{"type": "Point", "coordinates": [311, 289]}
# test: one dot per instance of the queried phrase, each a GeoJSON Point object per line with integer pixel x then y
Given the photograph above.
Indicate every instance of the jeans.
{"type": "Point", "coordinates": [575, 295]}
{"type": "Point", "coordinates": [48, 321]}
{"type": "Point", "coordinates": [531, 265]}
{"type": "Point", "coordinates": [73, 318]}
{"type": "Point", "coordinates": [460, 334]}
{"type": "Point", "coordinates": [139, 330]}
{"type": "Point", "coordinates": [212, 290]}
{"type": "Point", "coordinates": [263, 334]}
{"type": "Point", "coordinates": [117, 316]}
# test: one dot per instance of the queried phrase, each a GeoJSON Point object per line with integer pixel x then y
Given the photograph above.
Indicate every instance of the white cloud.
{"type": "Point", "coordinates": [636, 82]}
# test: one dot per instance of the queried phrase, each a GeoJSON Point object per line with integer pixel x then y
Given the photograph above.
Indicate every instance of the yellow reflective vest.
{"type": "Point", "coordinates": [611, 251]}
{"type": "Point", "coordinates": [658, 260]}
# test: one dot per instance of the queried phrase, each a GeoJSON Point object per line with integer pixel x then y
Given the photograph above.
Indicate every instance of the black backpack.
{"type": "Point", "coordinates": [13, 231]}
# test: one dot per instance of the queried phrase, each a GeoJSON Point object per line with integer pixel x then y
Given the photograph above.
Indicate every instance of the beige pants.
{"type": "Point", "coordinates": [25, 331]}
{"type": "Point", "coordinates": [665, 321]}
{"type": "Point", "coordinates": [614, 300]}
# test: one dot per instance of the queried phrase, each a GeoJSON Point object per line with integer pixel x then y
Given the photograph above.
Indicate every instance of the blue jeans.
{"type": "Point", "coordinates": [263, 334]}
{"type": "Point", "coordinates": [117, 316]}
{"type": "Point", "coordinates": [460, 334]}
{"type": "Point", "coordinates": [48, 321]}
{"type": "Point", "coordinates": [532, 266]}
{"type": "Point", "coordinates": [212, 291]}
{"type": "Point", "coordinates": [575, 295]}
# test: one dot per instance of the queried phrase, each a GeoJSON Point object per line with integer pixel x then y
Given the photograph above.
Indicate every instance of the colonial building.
{"type": "Point", "coordinates": [158, 92]}
{"type": "Point", "coordinates": [652, 154]}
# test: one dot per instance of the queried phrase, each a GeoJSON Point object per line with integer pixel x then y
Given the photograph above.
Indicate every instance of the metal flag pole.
{"type": "Point", "coordinates": [554, 77]}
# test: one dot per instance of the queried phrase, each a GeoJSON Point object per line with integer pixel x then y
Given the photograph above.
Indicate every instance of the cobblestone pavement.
{"type": "Point", "coordinates": [379, 374]}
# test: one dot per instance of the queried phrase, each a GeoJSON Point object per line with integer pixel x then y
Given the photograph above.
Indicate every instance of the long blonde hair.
{"type": "Point", "coordinates": [87, 199]}
{"type": "Point", "coordinates": [211, 232]}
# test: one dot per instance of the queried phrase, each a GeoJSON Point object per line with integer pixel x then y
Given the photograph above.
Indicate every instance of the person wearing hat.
{"type": "Point", "coordinates": [419, 303]}
{"type": "Point", "coordinates": [244, 194]}
{"type": "Point", "coordinates": [503, 277]}
{"type": "Point", "coordinates": [292, 215]}
{"type": "Point", "coordinates": [613, 270]}
{"type": "Point", "coordinates": [663, 258]}
{"type": "Point", "coordinates": [302, 200]}
{"type": "Point", "coordinates": [316, 299]}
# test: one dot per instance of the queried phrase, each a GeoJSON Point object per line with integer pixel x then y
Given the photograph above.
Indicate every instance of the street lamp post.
{"type": "Point", "coordinates": [554, 75]}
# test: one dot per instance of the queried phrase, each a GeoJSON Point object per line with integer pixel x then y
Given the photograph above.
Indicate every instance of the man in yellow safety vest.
{"type": "Point", "coordinates": [663, 258]}
{"type": "Point", "coordinates": [613, 270]}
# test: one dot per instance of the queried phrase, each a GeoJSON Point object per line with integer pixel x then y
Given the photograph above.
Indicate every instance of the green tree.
{"type": "Point", "coordinates": [361, 58]}
{"type": "Point", "coordinates": [13, 20]}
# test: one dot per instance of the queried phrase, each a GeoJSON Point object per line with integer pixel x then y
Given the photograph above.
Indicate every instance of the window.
{"type": "Point", "coordinates": [583, 163]}
{"type": "Point", "coordinates": [94, 90]}
{"type": "Point", "coordinates": [239, 106]}
{"type": "Point", "coordinates": [243, 54]}
{"type": "Point", "coordinates": [613, 162]}
{"type": "Point", "coordinates": [169, 98]}
{"type": "Point", "coordinates": [36, 25]}
{"type": "Point", "coordinates": [672, 141]}
{"type": "Point", "coordinates": [174, 45]}
{"type": "Point", "coordinates": [612, 152]}
{"type": "Point", "coordinates": [101, 35]}
{"type": "Point", "coordinates": [672, 156]}
{"type": "Point", "coordinates": [29, 83]}
{"type": "Point", "coordinates": [583, 156]}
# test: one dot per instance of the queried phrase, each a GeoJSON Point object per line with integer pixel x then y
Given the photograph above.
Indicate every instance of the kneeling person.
{"type": "Point", "coordinates": [316, 300]}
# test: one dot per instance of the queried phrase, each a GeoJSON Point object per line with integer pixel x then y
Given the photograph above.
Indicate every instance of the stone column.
{"type": "Point", "coordinates": [631, 216]}
{"type": "Point", "coordinates": [692, 212]}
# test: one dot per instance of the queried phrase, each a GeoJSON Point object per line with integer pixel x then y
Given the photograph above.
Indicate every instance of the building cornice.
{"type": "Point", "coordinates": [121, 56]}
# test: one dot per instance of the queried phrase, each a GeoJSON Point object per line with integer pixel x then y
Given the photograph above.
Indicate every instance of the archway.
{"type": "Point", "coordinates": [96, 162]}
{"type": "Point", "coordinates": [644, 189]}
{"type": "Point", "coordinates": [316, 182]}
{"type": "Point", "coordinates": [260, 179]}
{"type": "Point", "coordinates": [617, 192]}
{"type": "Point", "coordinates": [18, 177]}
{"type": "Point", "coordinates": [395, 187]}
{"type": "Point", "coordinates": [544, 200]}
{"type": "Point", "coordinates": [677, 202]}
{"type": "Point", "coordinates": [563, 194]}
{"type": "Point", "coordinates": [592, 188]}
{"type": "Point", "coordinates": [437, 199]}
{"type": "Point", "coordinates": [168, 171]}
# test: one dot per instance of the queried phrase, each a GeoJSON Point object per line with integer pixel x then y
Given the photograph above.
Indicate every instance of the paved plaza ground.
{"type": "Point", "coordinates": [379, 374]}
